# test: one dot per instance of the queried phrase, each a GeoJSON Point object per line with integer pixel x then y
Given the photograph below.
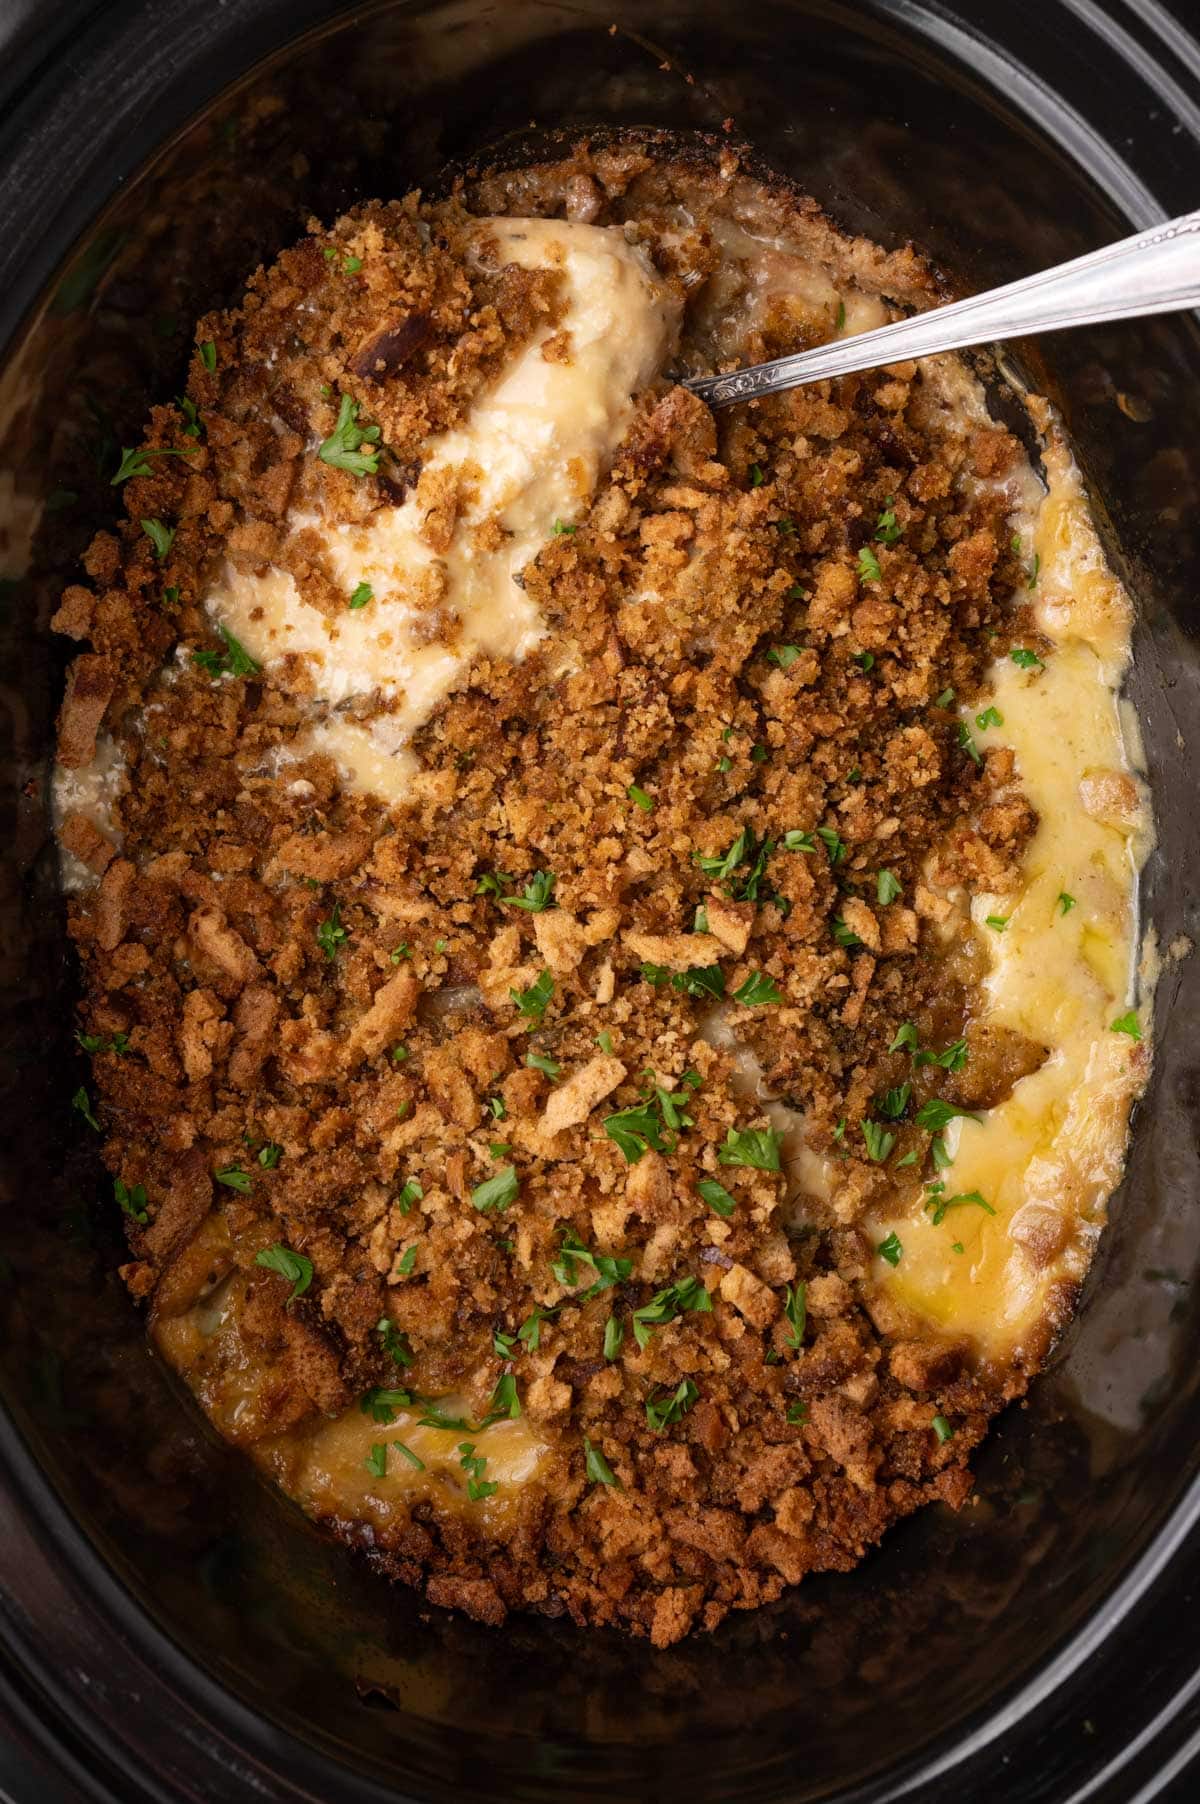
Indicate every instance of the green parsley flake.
{"type": "Point", "coordinates": [382, 1405]}
{"type": "Point", "coordinates": [407, 1261]}
{"type": "Point", "coordinates": [939, 1206]}
{"type": "Point", "coordinates": [537, 895]}
{"type": "Point", "coordinates": [1065, 902]}
{"type": "Point", "coordinates": [1127, 1024]}
{"type": "Point", "coordinates": [362, 595]}
{"type": "Point", "coordinates": [560, 528]}
{"type": "Point", "coordinates": [342, 449]}
{"type": "Point", "coordinates": [496, 1192]}
{"type": "Point", "coordinates": [662, 1411]}
{"type": "Point", "coordinates": [935, 1115]}
{"type": "Point", "coordinates": [331, 934]}
{"type": "Point", "coordinates": [887, 529]}
{"type": "Point", "coordinates": [716, 1196]}
{"type": "Point", "coordinates": [133, 463]}
{"type": "Point", "coordinates": [293, 1266]}
{"type": "Point", "coordinates": [614, 1335]}
{"type": "Point", "coordinates": [604, 1041]}
{"type": "Point", "coordinates": [944, 700]}
{"type": "Point", "coordinates": [533, 1001]}
{"type": "Point", "coordinates": [234, 1178]}
{"type": "Point", "coordinates": [757, 990]}
{"type": "Point", "coordinates": [845, 936]}
{"type": "Point", "coordinates": [795, 841]}
{"type": "Point", "coordinates": [505, 1403]}
{"type": "Point", "coordinates": [410, 1193]}
{"type": "Point", "coordinates": [991, 717]}
{"type": "Point", "coordinates": [795, 1313]}
{"type": "Point", "coordinates": [864, 659]}
{"type": "Point", "coordinates": [1025, 659]}
{"type": "Point", "coordinates": [834, 844]}
{"type": "Point", "coordinates": [597, 1467]}
{"type": "Point", "coordinates": [868, 566]}
{"type": "Point", "coordinates": [968, 745]}
{"type": "Point", "coordinates": [270, 1155]}
{"type": "Point", "coordinates": [783, 655]}
{"type": "Point", "coordinates": [537, 1061]}
{"type": "Point", "coordinates": [887, 887]}
{"type": "Point", "coordinates": [376, 1460]}
{"type": "Point", "coordinates": [890, 1249]}
{"type": "Point", "coordinates": [394, 1344]}
{"type": "Point", "coordinates": [408, 1454]}
{"type": "Point", "coordinates": [906, 1037]}
{"type": "Point", "coordinates": [234, 661]}
{"type": "Point", "coordinates": [160, 536]}
{"type": "Point", "coordinates": [878, 1141]}
{"type": "Point", "coordinates": [756, 1147]}
{"type": "Point", "coordinates": [131, 1199]}
{"type": "Point", "coordinates": [644, 801]}
{"type": "Point", "coordinates": [208, 355]}
{"type": "Point", "coordinates": [942, 1429]}
{"type": "Point", "coordinates": [998, 922]}
{"type": "Point", "coordinates": [797, 1412]}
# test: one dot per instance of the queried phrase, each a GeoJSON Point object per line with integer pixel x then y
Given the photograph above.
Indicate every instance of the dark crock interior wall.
{"type": "Point", "coordinates": [903, 128]}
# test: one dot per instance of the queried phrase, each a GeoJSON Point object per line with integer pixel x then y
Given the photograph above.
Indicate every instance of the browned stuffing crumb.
{"type": "Point", "coordinates": [313, 994]}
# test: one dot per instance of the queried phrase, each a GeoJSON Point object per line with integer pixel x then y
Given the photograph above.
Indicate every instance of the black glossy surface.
{"type": "Point", "coordinates": [1044, 1642]}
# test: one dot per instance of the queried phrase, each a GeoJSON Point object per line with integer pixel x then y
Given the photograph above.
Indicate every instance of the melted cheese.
{"type": "Point", "coordinates": [528, 455]}
{"type": "Point", "coordinates": [1046, 1159]}
{"type": "Point", "coordinates": [91, 792]}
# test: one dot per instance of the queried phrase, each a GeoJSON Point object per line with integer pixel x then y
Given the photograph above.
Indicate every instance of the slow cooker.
{"type": "Point", "coordinates": [171, 1630]}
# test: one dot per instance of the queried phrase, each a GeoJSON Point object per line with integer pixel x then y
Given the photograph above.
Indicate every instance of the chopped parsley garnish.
{"type": "Point", "coordinates": [662, 1411]}
{"type": "Point", "coordinates": [407, 1261]}
{"type": "Point", "coordinates": [614, 1335]}
{"type": "Point", "coordinates": [408, 1454]}
{"type": "Point", "coordinates": [597, 1467]}
{"type": "Point", "coordinates": [537, 1061]}
{"type": "Point", "coordinates": [879, 1142]}
{"type": "Point", "coordinates": [934, 1115]}
{"type": "Point", "coordinates": [759, 754]}
{"type": "Point", "coordinates": [951, 1058]}
{"type": "Point", "coordinates": [906, 1036]}
{"type": "Point", "coordinates": [160, 536]}
{"type": "Point", "coordinates": [1065, 902]}
{"type": "Point", "coordinates": [234, 661]}
{"type": "Point", "coordinates": [756, 1147]}
{"type": "Point", "coordinates": [411, 1192]}
{"type": "Point", "coordinates": [331, 934]}
{"type": "Point", "coordinates": [560, 527]}
{"type": "Point", "coordinates": [942, 1429]}
{"type": "Point", "coordinates": [270, 1155]}
{"type": "Point", "coordinates": [795, 841]}
{"type": "Point", "coordinates": [941, 1158]}
{"type": "Point", "coordinates": [532, 1001]}
{"type": "Point", "coordinates": [834, 845]}
{"type": "Point", "coordinates": [783, 655]}
{"type": "Point", "coordinates": [757, 990]}
{"type": "Point", "coordinates": [887, 529]}
{"type": "Point", "coordinates": [208, 354]}
{"type": "Point", "coordinates": [400, 1052]}
{"type": "Point", "coordinates": [864, 659]}
{"type": "Point", "coordinates": [893, 1103]}
{"type": "Point", "coordinates": [991, 717]}
{"type": "Point", "coordinates": [795, 1312]}
{"type": "Point", "coordinates": [604, 1041]}
{"type": "Point", "coordinates": [341, 450]}
{"type": "Point", "coordinates": [394, 1343]}
{"type": "Point", "coordinates": [700, 919]}
{"type": "Point", "coordinates": [724, 866]}
{"type": "Point", "coordinates": [537, 895]}
{"type": "Point", "coordinates": [133, 463]}
{"type": "Point", "coordinates": [293, 1266]}
{"type": "Point", "coordinates": [498, 1108]}
{"type": "Point", "coordinates": [944, 700]}
{"type": "Point", "coordinates": [494, 883]}
{"type": "Point", "coordinates": [1127, 1024]}
{"type": "Point", "coordinates": [499, 1149]}
{"type": "Point", "coordinates": [841, 316]}
{"type": "Point", "coordinates": [381, 1404]}
{"type": "Point", "coordinates": [530, 1330]}
{"type": "Point", "coordinates": [102, 1043]}
{"type": "Point", "coordinates": [403, 950]}
{"type": "Point", "coordinates": [234, 1178]}
{"type": "Point", "coordinates": [362, 595]}
{"type": "Point", "coordinates": [968, 745]}
{"type": "Point", "coordinates": [756, 476]}
{"type": "Point", "coordinates": [437, 1418]}
{"type": "Point", "coordinates": [998, 922]}
{"type": "Point", "coordinates": [666, 1305]}
{"type": "Point", "coordinates": [505, 1403]}
{"type": "Point", "coordinates": [131, 1199]}
{"type": "Point", "coordinates": [701, 981]}
{"type": "Point", "coordinates": [868, 566]}
{"type": "Point", "coordinates": [939, 1206]}
{"type": "Point", "coordinates": [496, 1192]}
{"type": "Point", "coordinates": [887, 887]}
{"type": "Point", "coordinates": [376, 1460]}
{"type": "Point", "coordinates": [608, 1270]}
{"type": "Point", "coordinates": [644, 802]}
{"type": "Point", "coordinates": [797, 1412]}
{"type": "Point", "coordinates": [890, 1249]}
{"type": "Point", "coordinates": [1034, 567]}
{"type": "Point", "coordinates": [80, 1102]}
{"type": "Point", "coordinates": [1025, 659]}
{"type": "Point", "coordinates": [845, 936]}
{"type": "Point", "coordinates": [716, 1196]}
{"type": "Point", "coordinates": [503, 1344]}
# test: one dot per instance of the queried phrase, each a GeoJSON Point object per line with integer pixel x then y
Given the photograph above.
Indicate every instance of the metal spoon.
{"type": "Point", "coordinates": [1157, 271]}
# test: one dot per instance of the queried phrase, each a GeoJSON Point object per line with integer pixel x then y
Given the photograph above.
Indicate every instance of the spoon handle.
{"type": "Point", "coordinates": [1156, 271]}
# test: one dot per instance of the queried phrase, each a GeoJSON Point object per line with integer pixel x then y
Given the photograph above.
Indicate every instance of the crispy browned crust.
{"type": "Point", "coordinates": [201, 941]}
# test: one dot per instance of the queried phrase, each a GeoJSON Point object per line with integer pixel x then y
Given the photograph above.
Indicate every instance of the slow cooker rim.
{"type": "Point", "coordinates": [28, 267]}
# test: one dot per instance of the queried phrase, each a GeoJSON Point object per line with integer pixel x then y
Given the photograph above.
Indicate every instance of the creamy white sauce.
{"type": "Point", "coordinates": [528, 456]}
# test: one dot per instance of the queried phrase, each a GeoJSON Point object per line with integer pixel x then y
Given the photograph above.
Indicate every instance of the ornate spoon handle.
{"type": "Point", "coordinates": [1157, 271]}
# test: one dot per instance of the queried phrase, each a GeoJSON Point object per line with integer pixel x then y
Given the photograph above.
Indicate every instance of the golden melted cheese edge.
{"type": "Point", "coordinates": [1048, 1158]}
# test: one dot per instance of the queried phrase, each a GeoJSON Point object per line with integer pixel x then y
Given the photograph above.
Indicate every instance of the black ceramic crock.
{"type": "Point", "coordinates": [169, 1630]}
